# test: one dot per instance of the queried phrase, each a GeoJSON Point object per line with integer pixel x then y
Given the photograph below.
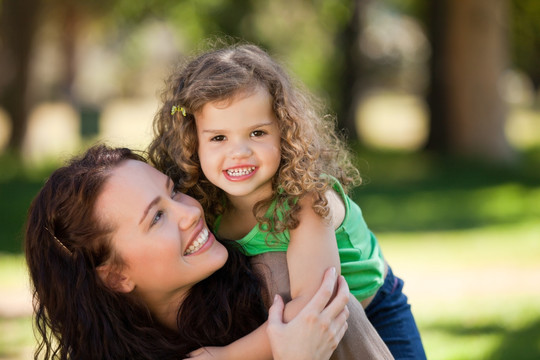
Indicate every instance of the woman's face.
{"type": "Point", "coordinates": [160, 234]}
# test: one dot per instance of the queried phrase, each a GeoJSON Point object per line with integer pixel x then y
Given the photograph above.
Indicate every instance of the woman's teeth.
{"type": "Point", "coordinates": [198, 243]}
{"type": "Point", "coordinates": [241, 171]}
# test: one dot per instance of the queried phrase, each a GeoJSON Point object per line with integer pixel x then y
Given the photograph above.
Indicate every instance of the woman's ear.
{"type": "Point", "coordinates": [115, 279]}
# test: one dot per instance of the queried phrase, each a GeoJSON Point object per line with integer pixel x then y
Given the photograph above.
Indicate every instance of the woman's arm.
{"type": "Point", "coordinates": [361, 340]}
{"type": "Point", "coordinates": [316, 331]}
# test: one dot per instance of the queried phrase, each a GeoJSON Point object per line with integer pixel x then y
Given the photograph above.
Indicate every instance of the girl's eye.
{"type": "Point", "coordinates": [156, 218]}
{"type": "Point", "coordinates": [258, 133]}
{"type": "Point", "coordinates": [218, 138]}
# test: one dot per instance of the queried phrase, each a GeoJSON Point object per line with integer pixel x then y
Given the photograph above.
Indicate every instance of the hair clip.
{"type": "Point", "coordinates": [64, 248]}
{"type": "Point", "coordinates": [175, 108]}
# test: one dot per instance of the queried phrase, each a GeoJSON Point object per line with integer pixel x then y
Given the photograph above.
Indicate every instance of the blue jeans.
{"type": "Point", "coordinates": [391, 316]}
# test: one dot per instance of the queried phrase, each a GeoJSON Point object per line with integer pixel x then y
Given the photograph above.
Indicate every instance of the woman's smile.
{"type": "Point", "coordinates": [204, 237]}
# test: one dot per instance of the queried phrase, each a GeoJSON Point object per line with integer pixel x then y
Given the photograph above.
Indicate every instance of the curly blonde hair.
{"type": "Point", "coordinates": [310, 146]}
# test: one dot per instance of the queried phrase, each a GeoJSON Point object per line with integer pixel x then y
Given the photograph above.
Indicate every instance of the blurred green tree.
{"type": "Point", "coordinates": [20, 22]}
{"type": "Point", "coordinates": [313, 39]}
{"type": "Point", "coordinates": [525, 38]}
{"type": "Point", "coordinates": [318, 41]}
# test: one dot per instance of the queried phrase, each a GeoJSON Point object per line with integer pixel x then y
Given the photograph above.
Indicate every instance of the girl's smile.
{"type": "Point", "coordinates": [240, 173]}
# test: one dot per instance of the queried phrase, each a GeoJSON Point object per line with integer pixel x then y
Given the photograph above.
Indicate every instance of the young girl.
{"type": "Point", "coordinates": [271, 174]}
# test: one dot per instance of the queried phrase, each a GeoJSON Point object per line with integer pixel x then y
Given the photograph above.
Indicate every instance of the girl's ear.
{"type": "Point", "coordinates": [115, 279]}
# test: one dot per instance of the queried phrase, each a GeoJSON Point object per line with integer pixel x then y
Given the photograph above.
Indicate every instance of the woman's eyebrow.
{"type": "Point", "coordinates": [152, 203]}
{"type": "Point", "coordinates": [155, 201]}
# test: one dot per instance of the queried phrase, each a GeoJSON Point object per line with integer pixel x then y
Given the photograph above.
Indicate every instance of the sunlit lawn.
{"type": "Point", "coordinates": [464, 236]}
{"type": "Point", "coordinates": [474, 292]}
{"type": "Point", "coordinates": [16, 341]}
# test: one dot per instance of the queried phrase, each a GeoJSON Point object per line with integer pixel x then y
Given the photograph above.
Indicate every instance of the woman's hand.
{"type": "Point", "coordinates": [317, 329]}
{"type": "Point", "coordinates": [208, 353]}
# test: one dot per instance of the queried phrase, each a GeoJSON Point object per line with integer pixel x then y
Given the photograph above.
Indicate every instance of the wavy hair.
{"type": "Point", "coordinates": [76, 316]}
{"type": "Point", "coordinates": [310, 147]}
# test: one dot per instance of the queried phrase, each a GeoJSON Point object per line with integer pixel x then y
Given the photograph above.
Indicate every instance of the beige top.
{"type": "Point", "coordinates": [361, 341]}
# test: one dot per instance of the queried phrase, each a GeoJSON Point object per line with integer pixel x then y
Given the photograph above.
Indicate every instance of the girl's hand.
{"type": "Point", "coordinates": [316, 331]}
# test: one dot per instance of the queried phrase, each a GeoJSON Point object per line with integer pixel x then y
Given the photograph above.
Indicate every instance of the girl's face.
{"type": "Point", "coordinates": [239, 144]}
{"type": "Point", "coordinates": [160, 234]}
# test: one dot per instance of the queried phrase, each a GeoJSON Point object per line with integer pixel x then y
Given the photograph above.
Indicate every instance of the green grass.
{"type": "Point", "coordinates": [474, 329]}
{"type": "Point", "coordinates": [474, 292]}
{"type": "Point", "coordinates": [16, 341]}
{"type": "Point", "coordinates": [464, 235]}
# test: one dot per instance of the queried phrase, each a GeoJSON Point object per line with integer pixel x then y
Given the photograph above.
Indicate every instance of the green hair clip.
{"type": "Point", "coordinates": [175, 108]}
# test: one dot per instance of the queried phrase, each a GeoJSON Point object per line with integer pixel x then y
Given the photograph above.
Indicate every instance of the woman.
{"type": "Point", "coordinates": [123, 266]}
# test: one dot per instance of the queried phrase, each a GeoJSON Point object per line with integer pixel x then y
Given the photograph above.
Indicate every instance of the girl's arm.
{"type": "Point", "coordinates": [312, 250]}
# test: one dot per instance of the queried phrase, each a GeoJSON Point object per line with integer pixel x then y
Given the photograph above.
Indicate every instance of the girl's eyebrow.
{"type": "Point", "coordinates": [268, 123]}
{"type": "Point", "coordinates": [215, 131]}
{"type": "Point", "coordinates": [156, 200]}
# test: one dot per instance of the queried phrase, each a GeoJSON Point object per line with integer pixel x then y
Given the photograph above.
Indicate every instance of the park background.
{"type": "Point", "coordinates": [439, 100]}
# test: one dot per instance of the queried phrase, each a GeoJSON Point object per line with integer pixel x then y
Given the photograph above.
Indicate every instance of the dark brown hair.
{"type": "Point", "coordinates": [78, 317]}
{"type": "Point", "coordinates": [310, 147]}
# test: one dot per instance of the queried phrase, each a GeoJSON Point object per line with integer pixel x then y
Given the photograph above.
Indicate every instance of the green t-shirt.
{"type": "Point", "coordinates": [361, 258]}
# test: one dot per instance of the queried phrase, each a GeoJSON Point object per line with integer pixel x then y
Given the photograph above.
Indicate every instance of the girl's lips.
{"type": "Point", "coordinates": [240, 173]}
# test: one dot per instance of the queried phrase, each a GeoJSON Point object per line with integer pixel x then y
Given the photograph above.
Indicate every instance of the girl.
{"type": "Point", "coordinates": [110, 248]}
{"type": "Point", "coordinates": [272, 175]}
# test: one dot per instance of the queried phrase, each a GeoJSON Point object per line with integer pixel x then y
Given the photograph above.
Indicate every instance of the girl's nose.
{"type": "Point", "coordinates": [187, 215]}
{"type": "Point", "coordinates": [240, 150]}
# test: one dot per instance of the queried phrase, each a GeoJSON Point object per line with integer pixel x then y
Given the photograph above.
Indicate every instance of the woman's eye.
{"type": "Point", "coordinates": [175, 193]}
{"type": "Point", "coordinates": [218, 138]}
{"type": "Point", "coordinates": [258, 133]}
{"type": "Point", "coordinates": [157, 217]}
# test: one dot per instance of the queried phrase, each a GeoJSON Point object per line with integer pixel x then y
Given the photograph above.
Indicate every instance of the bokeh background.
{"type": "Point", "coordinates": [439, 100]}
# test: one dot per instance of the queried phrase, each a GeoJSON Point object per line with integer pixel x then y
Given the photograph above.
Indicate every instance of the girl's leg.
{"type": "Point", "coordinates": [390, 314]}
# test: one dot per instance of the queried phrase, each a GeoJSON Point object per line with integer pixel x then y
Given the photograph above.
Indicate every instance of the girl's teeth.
{"type": "Point", "coordinates": [198, 243]}
{"type": "Point", "coordinates": [241, 171]}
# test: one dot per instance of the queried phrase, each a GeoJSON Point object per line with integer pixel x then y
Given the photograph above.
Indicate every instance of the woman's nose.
{"type": "Point", "coordinates": [187, 215]}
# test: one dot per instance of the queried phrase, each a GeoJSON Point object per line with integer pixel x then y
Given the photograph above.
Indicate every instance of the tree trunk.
{"type": "Point", "coordinates": [348, 93]}
{"type": "Point", "coordinates": [470, 55]}
{"type": "Point", "coordinates": [18, 25]}
{"type": "Point", "coordinates": [437, 94]}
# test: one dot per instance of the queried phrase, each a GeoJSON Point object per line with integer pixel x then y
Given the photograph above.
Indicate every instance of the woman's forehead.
{"type": "Point", "coordinates": [129, 188]}
{"type": "Point", "coordinates": [133, 170]}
